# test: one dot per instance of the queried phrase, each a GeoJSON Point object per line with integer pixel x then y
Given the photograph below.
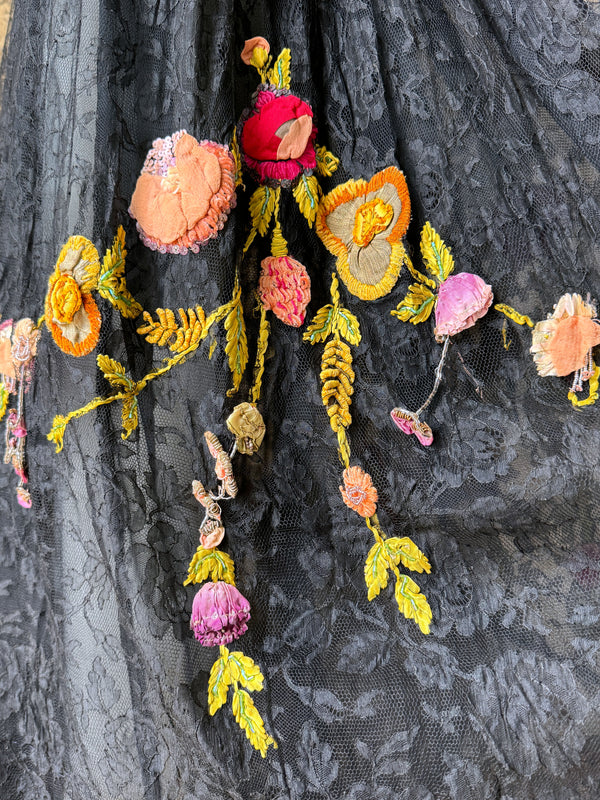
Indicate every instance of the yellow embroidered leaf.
{"type": "Point", "coordinates": [245, 671]}
{"type": "Point", "coordinates": [417, 305]}
{"type": "Point", "coordinates": [213, 564]}
{"type": "Point", "coordinates": [189, 334]}
{"type": "Point", "coordinates": [261, 349]}
{"type": "Point", "coordinates": [327, 163]}
{"type": "Point", "coordinates": [520, 319]}
{"type": "Point", "coordinates": [160, 333]}
{"type": "Point", "coordinates": [262, 205]}
{"type": "Point", "coordinates": [337, 377]}
{"type": "Point", "coordinates": [436, 255]}
{"type": "Point", "coordinates": [129, 416]}
{"type": "Point", "coordinates": [237, 158]}
{"type": "Point", "coordinates": [57, 432]}
{"type": "Point", "coordinates": [216, 316]}
{"type": "Point", "coordinates": [404, 550]}
{"type": "Point", "coordinates": [111, 281]}
{"type": "Point", "coordinates": [114, 372]}
{"type": "Point", "coordinates": [250, 721]}
{"type": "Point", "coordinates": [347, 326]}
{"type": "Point", "coordinates": [418, 276]}
{"type": "Point", "coordinates": [4, 395]}
{"type": "Point", "coordinates": [280, 73]}
{"type": "Point", "coordinates": [376, 570]}
{"type": "Point", "coordinates": [412, 603]}
{"type": "Point", "coordinates": [219, 682]}
{"type": "Point", "coordinates": [237, 344]}
{"type": "Point", "coordinates": [321, 326]}
{"type": "Point", "coordinates": [307, 196]}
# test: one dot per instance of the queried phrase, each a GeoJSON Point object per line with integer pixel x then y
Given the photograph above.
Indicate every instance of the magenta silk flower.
{"type": "Point", "coordinates": [219, 614]}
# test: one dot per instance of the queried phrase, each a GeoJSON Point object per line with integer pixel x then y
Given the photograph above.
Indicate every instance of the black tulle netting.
{"type": "Point", "coordinates": [492, 110]}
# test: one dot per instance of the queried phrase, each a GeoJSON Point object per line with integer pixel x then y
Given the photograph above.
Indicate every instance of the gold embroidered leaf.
{"type": "Point", "coordinates": [57, 432]}
{"type": "Point", "coordinates": [247, 716]}
{"type": "Point", "coordinates": [262, 205]}
{"type": "Point", "coordinates": [245, 671]}
{"type": "Point", "coordinates": [129, 416]}
{"type": "Point", "coordinates": [4, 395]}
{"type": "Point", "coordinates": [162, 332]}
{"type": "Point", "coordinates": [261, 349]}
{"type": "Point", "coordinates": [111, 281]}
{"type": "Point", "coordinates": [436, 254]}
{"type": "Point", "coordinates": [213, 564]}
{"type": "Point", "coordinates": [327, 163]}
{"type": "Point", "coordinates": [219, 682]}
{"type": "Point", "coordinates": [337, 377]}
{"type": "Point", "coordinates": [347, 326]}
{"type": "Point", "coordinates": [321, 326]}
{"type": "Point", "coordinates": [114, 372]}
{"type": "Point", "coordinates": [237, 343]}
{"type": "Point", "coordinates": [417, 305]}
{"type": "Point", "coordinates": [237, 158]}
{"type": "Point", "coordinates": [166, 332]}
{"type": "Point", "coordinates": [376, 570]}
{"type": "Point", "coordinates": [405, 551]}
{"type": "Point", "coordinates": [412, 603]}
{"type": "Point", "coordinates": [189, 334]}
{"type": "Point", "coordinates": [280, 73]}
{"type": "Point", "coordinates": [306, 194]}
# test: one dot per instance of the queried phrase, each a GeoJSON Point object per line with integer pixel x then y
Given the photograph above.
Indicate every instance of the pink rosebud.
{"type": "Point", "coordinates": [219, 614]}
{"type": "Point", "coordinates": [211, 534]}
{"type": "Point", "coordinates": [410, 423]}
{"type": "Point", "coordinates": [285, 289]}
{"type": "Point", "coordinates": [462, 300]}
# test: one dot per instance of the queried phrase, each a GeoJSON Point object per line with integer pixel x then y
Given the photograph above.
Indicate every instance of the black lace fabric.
{"type": "Point", "coordinates": [492, 110]}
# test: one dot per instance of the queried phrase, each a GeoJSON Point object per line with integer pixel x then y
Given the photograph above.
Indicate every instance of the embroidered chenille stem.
{"type": "Point", "coordinates": [511, 313]}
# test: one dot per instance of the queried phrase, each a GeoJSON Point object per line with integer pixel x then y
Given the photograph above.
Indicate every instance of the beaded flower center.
{"type": "Point", "coordinates": [371, 218]}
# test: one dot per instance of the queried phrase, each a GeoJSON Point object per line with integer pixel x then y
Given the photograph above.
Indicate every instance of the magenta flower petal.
{"type": "Point", "coordinates": [462, 300]}
{"type": "Point", "coordinates": [219, 614]}
{"type": "Point", "coordinates": [409, 423]}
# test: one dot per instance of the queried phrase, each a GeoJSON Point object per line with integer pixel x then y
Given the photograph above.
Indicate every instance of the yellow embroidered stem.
{"type": "Point", "coordinates": [520, 319]}
{"type": "Point", "coordinates": [40, 322]}
{"type": "Point", "coordinates": [278, 243]}
{"type": "Point", "coordinates": [592, 394]}
{"type": "Point", "coordinates": [373, 526]}
{"type": "Point", "coordinates": [60, 422]}
{"type": "Point", "coordinates": [261, 349]}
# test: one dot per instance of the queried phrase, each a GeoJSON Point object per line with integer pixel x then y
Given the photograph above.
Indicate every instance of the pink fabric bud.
{"type": "Point", "coordinates": [219, 614]}
{"type": "Point", "coordinates": [462, 300]}
{"type": "Point", "coordinates": [285, 289]}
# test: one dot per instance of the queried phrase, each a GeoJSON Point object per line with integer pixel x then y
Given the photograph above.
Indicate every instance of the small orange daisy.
{"type": "Point", "coordinates": [358, 491]}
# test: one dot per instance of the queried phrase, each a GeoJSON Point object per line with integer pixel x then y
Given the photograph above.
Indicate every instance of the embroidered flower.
{"type": "Point", "coordinates": [561, 343]}
{"type": "Point", "coordinates": [462, 300]}
{"type": "Point", "coordinates": [248, 427]}
{"type": "Point", "coordinates": [223, 467]}
{"type": "Point", "coordinates": [71, 313]}
{"type": "Point", "coordinates": [410, 423]}
{"type": "Point", "coordinates": [358, 491]}
{"type": "Point", "coordinates": [220, 614]}
{"type": "Point", "coordinates": [285, 289]}
{"type": "Point", "coordinates": [211, 534]}
{"type": "Point", "coordinates": [184, 193]}
{"type": "Point", "coordinates": [255, 52]}
{"type": "Point", "coordinates": [362, 223]}
{"type": "Point", "coordinates": [277, 135]}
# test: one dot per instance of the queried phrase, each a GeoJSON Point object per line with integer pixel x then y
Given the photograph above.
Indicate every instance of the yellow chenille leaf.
{"type": "Point", "coordinates": [245, 671]}
{"type": "Point", "coordinates": [412, 603]}
{"type": "Point", "coordinates": [321, 326]}
{"type": "Point", "coordinates": [306, 194]}
{"type": "Point", "coordinates": [111, 281]}
{"type": "Point", "coordinates": [327, 163]}
{"type": "Point", "coordinates": [406, 552]}
{"type": "Point", "coordinates": [376, 570]}
{"type": "Point", "coordinates": [436, 255]}
{"type": "Point", "coordinates": [189, 333]}
{"type": "Point", "coordinates": [237, 158]}
{"type": "Point", "coordinates": [237, 343]}
{"type": "Point", "coordinates": [262, 205]}
{"type": "Point", "coordinates": [417, 305]}
{"type": "Point", "coordinates": [210, 564]}
{"type": "Point", "coordinates": [520, 319]}
{"type": "Point", "coordinates": [261, 349]}
{"type": "Point", "coordinates": [114, 372]}
{"type": "Point", "coordinates": [337, 377]}
{"type": "Point", "coordinates": [250, 721]}
{"type": "Point", "coordinates": [347, 326]}
{"type": "Point", "coordinates": [129, 416]}
{"type": "Point", "coordinates": [4, 395]}
{"type": "Point", "coordinates": [280, 73]}
{"type": "Point", "coordinates": [219, 682]}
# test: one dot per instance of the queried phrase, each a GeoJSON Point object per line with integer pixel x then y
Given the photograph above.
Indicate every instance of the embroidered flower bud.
{"type": "Point", "coordinates": [410, 423]}
{"type": "Point", "coordinates": [220, 614]}
{"type": "Point", "coordinates": [358, 491]}
{"type": "Point", "coordinates": [462, 300]}
{"type": "Point", "coordinates": [256, 52]}
{"type": "Point", "coordinates": [211, 534]}
{"type": "Point", "coordinates": [285, 289]}
{"type": "Point", "coordinates": [246, 424]}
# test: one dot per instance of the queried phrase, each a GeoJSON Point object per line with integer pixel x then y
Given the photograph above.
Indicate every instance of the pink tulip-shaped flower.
{"type": "Point", "coordinates": [462, 300]}
{"type": "Point", "coordinates": [219, 614]}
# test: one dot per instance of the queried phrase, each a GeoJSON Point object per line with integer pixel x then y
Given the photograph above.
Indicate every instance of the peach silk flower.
{"type": "Point", "coordinates": [358, 491]}
{"type": "Point", "coordinates": [561, 342]}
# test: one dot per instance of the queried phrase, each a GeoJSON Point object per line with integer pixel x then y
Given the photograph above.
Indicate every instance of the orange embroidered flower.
{"type": "Point", "coordinates": [71, 313]}
{"type": "Point", "coordinates": [561, 343]}
{"type": "Point", "coordinates": [362, 223]}
{"type": "Point", "coordinates": [358, 491]}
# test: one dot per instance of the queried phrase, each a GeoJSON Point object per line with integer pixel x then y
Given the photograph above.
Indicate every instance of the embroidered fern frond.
{"type": "Point", "coordinates": [247, 716]}
{"type": "Point", "coordinates": [412, 603]}
{"type": "Point", "coordinates": [237, 343]}
{"type": "Point", "coordinates": [280, 73]}
{"type": "Point", "coordinates": [219, 682]}
{"type": "Point", "coordinates": [306, 194]}
{"type": "Point", "coordinates": [167, 332]}
{"type": "Point", "coordinates": [111, 280]}
{"type": "Point", "coordinates": [327, 163]}
{"type": "Point", "coordinates": [436, 254]}
{"type": "Point", "coordinates": [337, 377]}
{"type": "Point", "coordinates": [405, 551]}
{"type": "Point", "coordinates": [417, 305]}
{"type": "Point", "coordinates": [210, 564]}
{"type": "Point", "coordinates": [261, 206]}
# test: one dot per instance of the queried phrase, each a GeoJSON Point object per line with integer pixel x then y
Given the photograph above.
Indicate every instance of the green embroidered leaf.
{"type": "Point", "coordinates": [306, 194]}
{"type": "Point", "coordinates": [114, 373]}
{"type": "Point", "coordinates": [111, 281]}
{"type": "Point", "coordinates": [436, 255]}
{"type": "Point", "coordinates": [412, 603]}
{"type": "Point", "coordinates": [250, 721]}
{"type": "Point", "coordinates": [262, 205]}
{"type": "Point", "coordinates": [321, 326]}
{"type": "Point", "coordinates": [129, 416]}
{"type": "Point", "coordinates": [347, 326]}
{"type": "Point", "coordinates": [376, 570]}
{"type": "Point", "coordinates": [280, 73]}
{"type": "Point", "coordinates": [245, 671]}
{"type": "Point", "coordinates": [213, 564]}
{"type": "Point", "coordinates": [404, 550]}
{"type": "Point", "coordinates": [237, 344]}
{"type": "Point", "coordinates": [417, 305]}
{"type": "Point", "coordinates": [327, 163]}
{"type": "Point", "coordinates": [219, 682]}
